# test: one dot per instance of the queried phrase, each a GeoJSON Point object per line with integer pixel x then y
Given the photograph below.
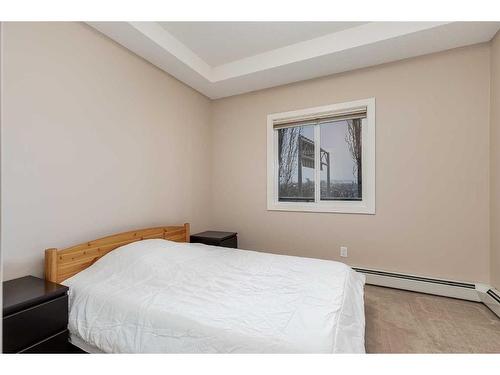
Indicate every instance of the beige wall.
{"type": "Point", "coordinates": [94, 141]}
{"type": "Point", "coordinates": [495, 162]}
{"type": "Point", "coordinates": [432, 168]}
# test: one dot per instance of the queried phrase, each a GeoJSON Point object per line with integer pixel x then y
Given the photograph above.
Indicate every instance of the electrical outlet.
{"type": "Point", "coordinates": [343, 251]}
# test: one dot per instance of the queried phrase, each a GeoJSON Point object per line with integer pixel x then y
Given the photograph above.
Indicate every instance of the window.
{"type": "Point", "coordinates": [323, 159]}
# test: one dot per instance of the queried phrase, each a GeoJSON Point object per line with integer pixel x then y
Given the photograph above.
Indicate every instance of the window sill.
{"type": "Point", "coordinates": [344, 207]}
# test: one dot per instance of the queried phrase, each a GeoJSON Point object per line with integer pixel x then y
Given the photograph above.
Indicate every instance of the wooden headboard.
{"type": "Point", "coordinates": [62, 264]}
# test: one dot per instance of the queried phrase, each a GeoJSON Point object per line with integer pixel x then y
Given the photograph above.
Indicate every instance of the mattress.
{"type": "Point", "coordinates": [158, 296]}
{"type": "Point", "coordinates": [85, 346]}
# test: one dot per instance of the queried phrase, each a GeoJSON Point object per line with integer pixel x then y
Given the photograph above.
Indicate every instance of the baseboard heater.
{"type": "Point", "coordinates": [492, 299]}
{"type": "Point", "coordinates": [493, 295]}
{"type": "Point", "coordinates": [447, 288]}
{"type": "Point", "coordinates": [417, 278]}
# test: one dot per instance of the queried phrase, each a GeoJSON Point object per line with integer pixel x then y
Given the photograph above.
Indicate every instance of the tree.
{"type": "Point", "coordinates": [288, 152]}
{"type": "Point", "coordinates": [353, 139]}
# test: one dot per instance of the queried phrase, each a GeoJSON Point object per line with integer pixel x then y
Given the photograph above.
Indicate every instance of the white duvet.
{"type": "Point", "coordinates": [157, 296]}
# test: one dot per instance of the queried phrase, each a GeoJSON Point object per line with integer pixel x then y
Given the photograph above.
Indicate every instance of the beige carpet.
{"type": "Point", "coordinates": [406, 322]}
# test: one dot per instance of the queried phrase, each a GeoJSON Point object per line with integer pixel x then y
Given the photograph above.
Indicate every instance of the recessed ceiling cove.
{"type": "Point", "coordinates": [221, 59]}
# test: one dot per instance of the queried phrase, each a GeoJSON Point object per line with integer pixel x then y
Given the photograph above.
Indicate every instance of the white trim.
{"type": "Point", "coordinates": [367, 205]}
{"type": "Point", "coordinates": [166, 41]}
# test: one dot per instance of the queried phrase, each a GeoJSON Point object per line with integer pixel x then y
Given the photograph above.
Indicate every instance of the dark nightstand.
{"type": "Point", "coordinates": [224, 239]}
{"type": "Point", "coordinates": [35, 317]}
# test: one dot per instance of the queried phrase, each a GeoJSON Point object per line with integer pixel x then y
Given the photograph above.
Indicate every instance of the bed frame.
{"type": "Point", "coordinates": [62, 264]}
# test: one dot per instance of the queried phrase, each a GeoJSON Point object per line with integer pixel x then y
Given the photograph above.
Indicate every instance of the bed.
{"type": "Point", "coordinates": [151, 291]}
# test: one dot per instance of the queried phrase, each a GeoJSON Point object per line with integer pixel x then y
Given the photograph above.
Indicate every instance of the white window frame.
{"type": "Point", "coordinates": [367, 204]}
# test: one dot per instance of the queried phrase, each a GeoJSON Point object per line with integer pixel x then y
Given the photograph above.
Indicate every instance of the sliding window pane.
{"type": "Point", "coordinates": [296, 164]}
{"type": "Point", "coordinates": [341, 172]}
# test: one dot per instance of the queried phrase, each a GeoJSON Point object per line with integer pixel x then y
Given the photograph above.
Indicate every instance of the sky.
{"type": "Point", "coordinates": [332, 139]}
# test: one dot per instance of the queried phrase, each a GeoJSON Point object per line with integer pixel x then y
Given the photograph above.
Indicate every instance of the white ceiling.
{"type": "Point", "coordinates": [221, 59]}
{"type": "Point", "coordinates": [222, 42]}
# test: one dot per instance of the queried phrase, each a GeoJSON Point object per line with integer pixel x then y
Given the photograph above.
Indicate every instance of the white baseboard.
{"type": "Point", "coordinates": [440, 287]}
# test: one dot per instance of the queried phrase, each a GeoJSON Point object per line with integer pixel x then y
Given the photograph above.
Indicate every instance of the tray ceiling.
{"type": "Point", "coordinates": [221, 59]}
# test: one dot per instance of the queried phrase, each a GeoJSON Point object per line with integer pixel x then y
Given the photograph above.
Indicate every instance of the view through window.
{"type": "Point", "coordinates": [340, 161]}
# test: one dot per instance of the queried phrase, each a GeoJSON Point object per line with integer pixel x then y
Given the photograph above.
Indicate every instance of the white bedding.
{"type": "Point", "coordinates": [157, 296]}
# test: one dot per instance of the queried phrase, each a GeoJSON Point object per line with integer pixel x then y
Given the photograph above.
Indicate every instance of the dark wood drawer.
{"type": "Point", "coordinates": [30, 326]}
{"type": "Point", "coordinates": [54, 344]}
{"type": "Point", "coordinates": [216, 238]}
{"type": "Point", "coordinates": [230, 242]}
